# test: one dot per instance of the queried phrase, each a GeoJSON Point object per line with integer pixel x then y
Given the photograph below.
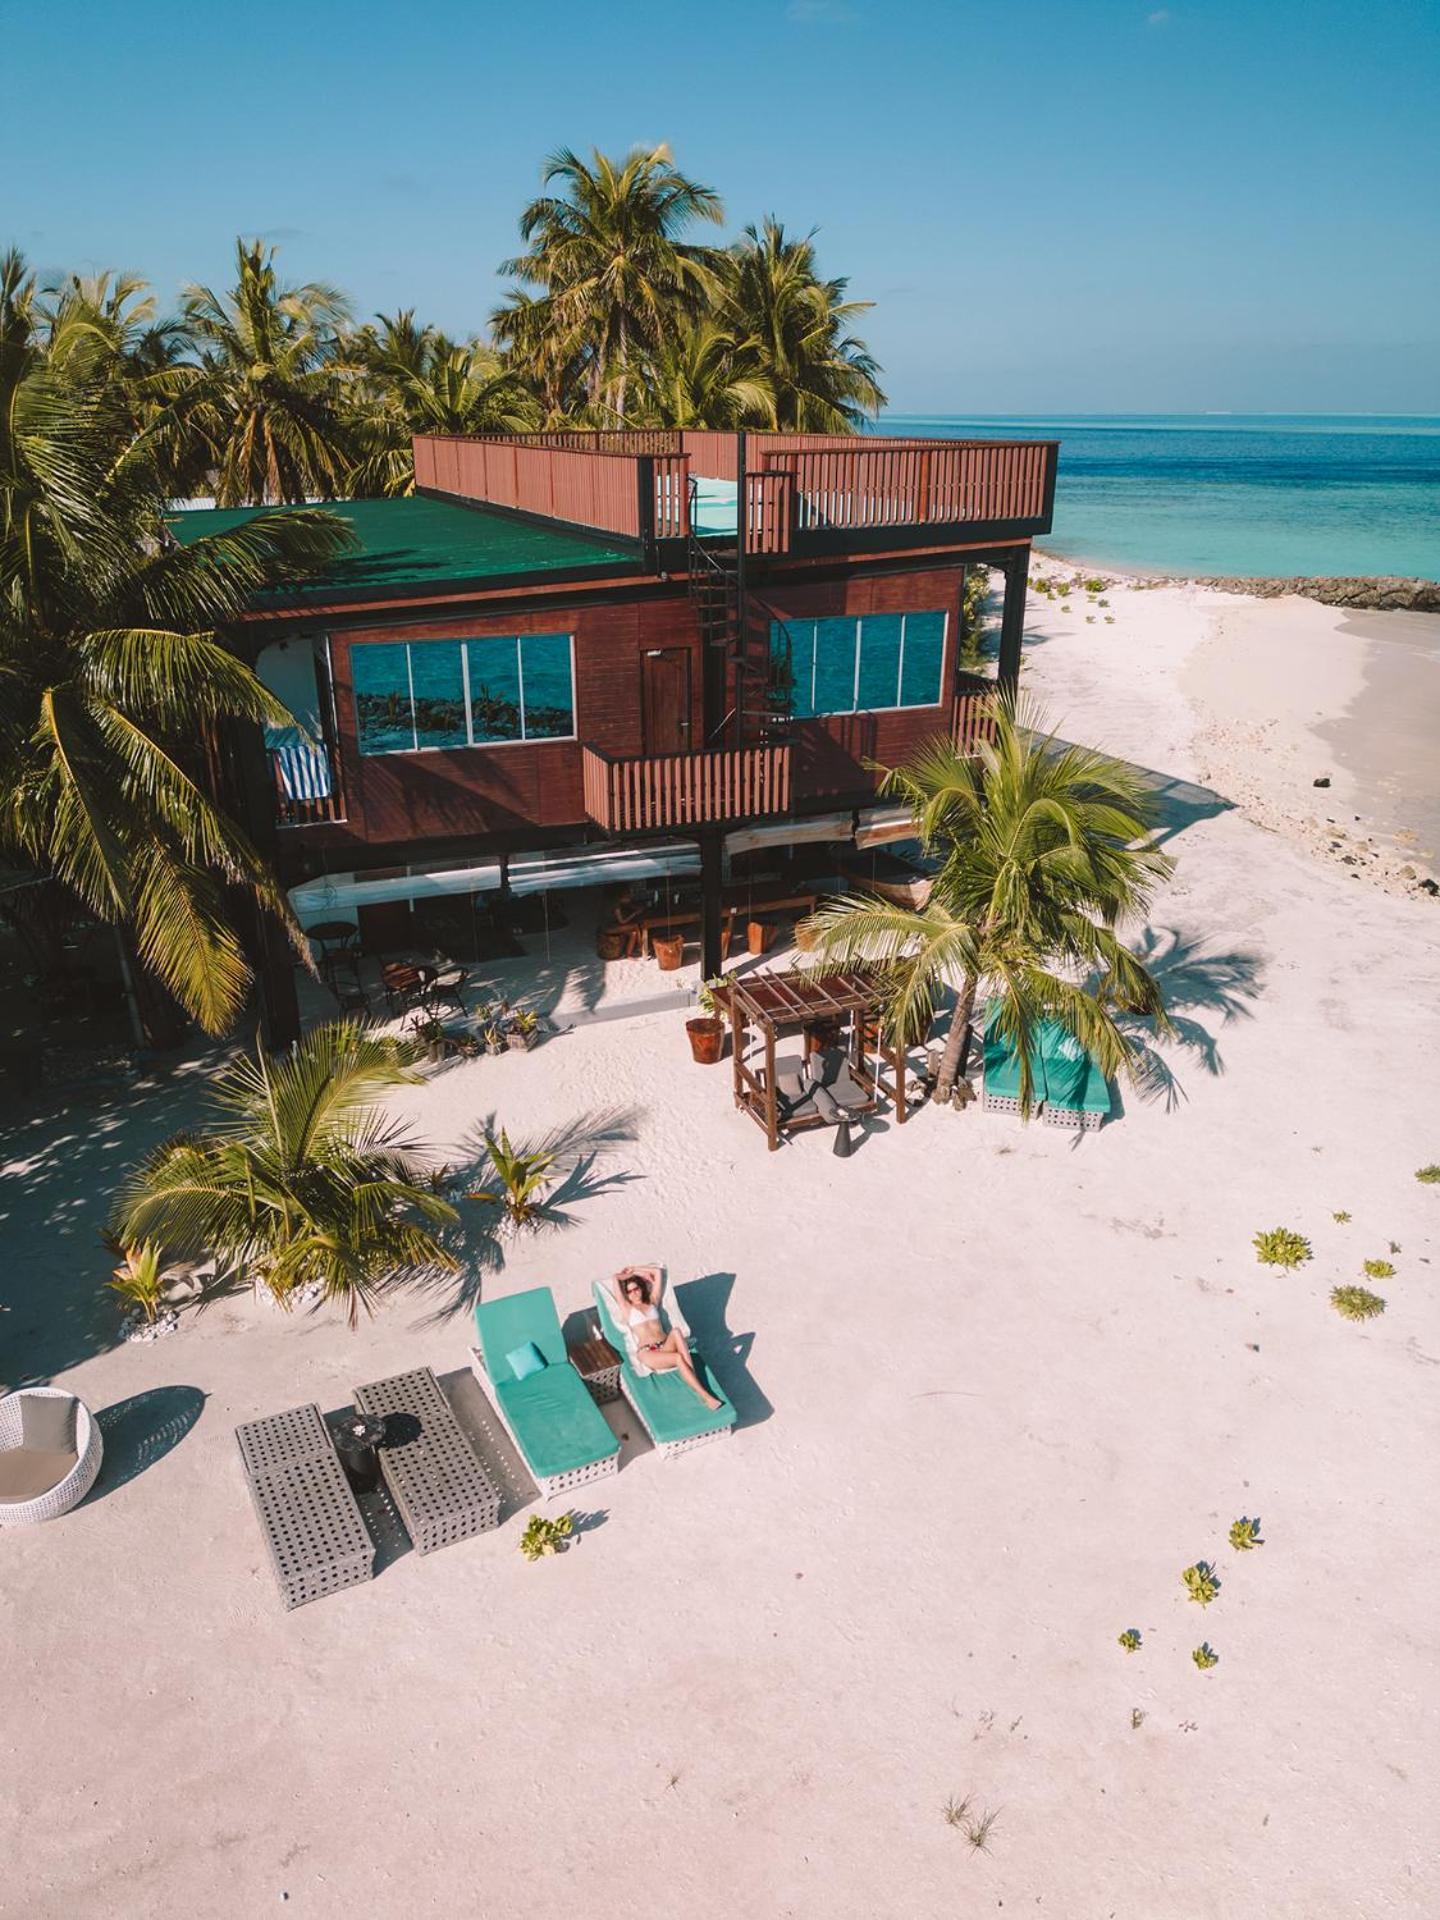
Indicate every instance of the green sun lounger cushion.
{"type": "Point", "coordinates": [1072, 1075]}
{"type": "Point", "coordinates": [666, 1405]}
{"type": "Point", "coordinates": [558, 1426]}
{"type": "Point", "coordinates": [1002, 1065]}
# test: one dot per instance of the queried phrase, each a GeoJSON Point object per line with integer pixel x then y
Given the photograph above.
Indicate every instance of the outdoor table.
{"type": "Point", "coordinates": [333, 933]}
{"type": "Point", "coordinates": [356, 1438]}
{"type": "Point", "coordinates": [598, 1365]}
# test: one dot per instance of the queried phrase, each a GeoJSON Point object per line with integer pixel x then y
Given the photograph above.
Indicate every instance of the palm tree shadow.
{"type": "Point", "coordinates": [141, 1430]}
{"type": "Point", "coordinates": [1193, 980]}
{"type": "Point", "coordinates": [480, 1239]}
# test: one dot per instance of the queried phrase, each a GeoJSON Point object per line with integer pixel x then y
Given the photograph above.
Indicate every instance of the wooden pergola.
{"type": "Point", "coordinates": [769, 1000]}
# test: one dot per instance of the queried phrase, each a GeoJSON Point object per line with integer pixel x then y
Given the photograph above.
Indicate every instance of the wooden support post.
{"type": "Point", "coordinates": [714, 922]}
{"type": "Point", "coordinates": [772, 1116]}
{"type": "Point", "coordinates": [1016, 568]}
{"type": "Point", "coordinates": [737, 1047]}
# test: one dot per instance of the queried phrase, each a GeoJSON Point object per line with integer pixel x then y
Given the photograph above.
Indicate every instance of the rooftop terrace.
{"type": "Point", "coordinates": [406, 547]}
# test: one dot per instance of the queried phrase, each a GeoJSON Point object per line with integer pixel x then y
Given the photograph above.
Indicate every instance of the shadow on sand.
{"type": "Point", "coordinates": [141, 1430]}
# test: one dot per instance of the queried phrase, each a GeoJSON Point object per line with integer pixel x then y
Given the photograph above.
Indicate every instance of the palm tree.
{"type": "Point", "coordinates": [792, 327]}
{"type": "Point", "coordinates": [111, 675]}
{"type": "Point", "coordinates": [415, 380]}
{"type": "Point", "coordinates": [1046, 849]}
{"type": "Point", "coordinates": [614, 275]}
{"type": "Point", "coordinates": [303, 1180]}
{"type": "Point", "coordinates": [696, 380]}
{"type": "Point", "coordinates": [268, 403]}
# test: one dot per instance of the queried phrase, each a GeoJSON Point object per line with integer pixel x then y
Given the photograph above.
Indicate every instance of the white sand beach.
{"type": "Point", "coordinates": [997, 1386]}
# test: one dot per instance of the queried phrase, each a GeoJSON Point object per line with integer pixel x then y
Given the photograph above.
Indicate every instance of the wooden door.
{"type": "Point", "coordinates": [665, 699]}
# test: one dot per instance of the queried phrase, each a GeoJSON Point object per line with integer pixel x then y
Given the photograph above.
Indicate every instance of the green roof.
{"type": "Point", "coordinates": [409, 545]}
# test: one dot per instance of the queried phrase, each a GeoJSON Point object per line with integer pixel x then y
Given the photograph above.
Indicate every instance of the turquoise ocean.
{"type": "Point", "coordinates": [1233, 493]}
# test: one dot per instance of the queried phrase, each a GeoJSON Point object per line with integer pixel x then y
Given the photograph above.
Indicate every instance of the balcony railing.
{"type": "Point", "coordinates": [298, 803]}
{"type": "Point", "coordinates": [796, 490]}
{"type": "Point", "coordinates": [974, 722]}
{"type": "Point", "coordinates": [685, 789]}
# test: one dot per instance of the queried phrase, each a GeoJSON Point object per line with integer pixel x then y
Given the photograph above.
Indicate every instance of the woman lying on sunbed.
{"type": "Point", "coordinates": [654, 1347]}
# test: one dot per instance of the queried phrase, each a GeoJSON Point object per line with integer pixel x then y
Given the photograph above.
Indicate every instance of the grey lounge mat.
{"type": "Point", "coordinates": [308, 1515]}
{"type": "Point", "coordinates": [434, 1475]}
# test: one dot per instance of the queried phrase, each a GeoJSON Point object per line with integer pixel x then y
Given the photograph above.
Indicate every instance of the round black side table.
{"type": "Point", "coordinates": [356, 1437]}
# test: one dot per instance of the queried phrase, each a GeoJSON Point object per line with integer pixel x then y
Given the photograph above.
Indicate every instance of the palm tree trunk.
{"type": "Point", "coordinates": [957, 1041]}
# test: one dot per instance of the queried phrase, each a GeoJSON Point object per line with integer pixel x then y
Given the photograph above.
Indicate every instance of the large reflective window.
{"type": "Point", "coordinates": [437, 685]}
{"type": "Point", "coordinates": [494, 690]}
{"type": "Point", "coordinates": [549, 696]}
{"type": "Point", "coordinates": [924, 658]}
{"type": "Point", "coordinates": [380, 675]}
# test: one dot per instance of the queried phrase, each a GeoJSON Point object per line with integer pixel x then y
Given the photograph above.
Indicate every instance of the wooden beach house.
{"type": "Point", "coordinates": [574, 657]}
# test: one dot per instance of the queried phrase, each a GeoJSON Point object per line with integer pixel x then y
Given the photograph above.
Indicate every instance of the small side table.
{"type": "Point", "coordinates": [598, 1365]}
{"type": "Point", "coordinates": [355, 1439]}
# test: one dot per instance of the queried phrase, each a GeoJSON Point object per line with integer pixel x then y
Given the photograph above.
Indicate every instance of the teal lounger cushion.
{"type": "Point", "coordinates": [525, 1360]}
{"type": "Point", "coordinates": [666, 1405]}
{"type": "Point", "coordinates": [1002, 1066]}
{"type": "Point", "coordinates": [557, 1426]}
{"type": "Point", "coordinates": [1072, 1075]}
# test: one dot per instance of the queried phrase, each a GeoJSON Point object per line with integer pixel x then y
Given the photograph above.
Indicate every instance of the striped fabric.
{"type": "Point", "coordinates": [304, 766]}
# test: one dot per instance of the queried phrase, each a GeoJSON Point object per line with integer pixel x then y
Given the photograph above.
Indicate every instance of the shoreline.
{"type": "Point", "coordinates": [1376, 592]}
{"type": "Point", "coordinates": [1279, 692]}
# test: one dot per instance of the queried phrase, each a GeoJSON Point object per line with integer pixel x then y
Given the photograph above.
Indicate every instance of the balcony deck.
{"type": "Point", "coordinates": [685, 789]}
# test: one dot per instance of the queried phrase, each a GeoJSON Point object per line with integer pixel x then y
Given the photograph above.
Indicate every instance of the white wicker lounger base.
{"type": "Point", "coordinates": [1073, 1118]}
{"type": "Point", "coordinates": [1003, 1103]}
{"type": "Point", "coordinates": [667, 1449]}
{"type": "Point", "coordinates": [549, 1483]}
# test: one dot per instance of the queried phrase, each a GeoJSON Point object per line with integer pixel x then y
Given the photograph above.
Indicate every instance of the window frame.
{"type": "Point", "coordinates": [891, 613]}
{"type": "Point", "coordinates": [470, 744]}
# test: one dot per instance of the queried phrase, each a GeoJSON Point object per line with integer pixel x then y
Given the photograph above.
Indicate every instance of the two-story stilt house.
{"type": "Point", "coordinates": [573, 657]}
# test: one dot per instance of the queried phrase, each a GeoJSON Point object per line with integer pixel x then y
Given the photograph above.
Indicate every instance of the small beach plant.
{"type": "Point", "coordinates": [139, 1279]}
{"type": "Point", "coordinates": [956, 1812]}
{"type": "Point", "coordinates": [1429, 1176]}
{"type": "Point", "coordinates": [1130, 1640]}
{"type": "Point", "coordinates": [543, 1535]}
{"type": "Point", "coordinates": [1282, 1247]}
{"type": "Point", "coordinates": [1379, 1270]}
{"type": "Point", "coordinates": [1245, 1534]}
{"type": "Point", "coordinates": [1341, 1219]}
{"type": "Point", "coordinates": [1205, 1656]}
{"type": "Point", "coordinates": [977, 1832]}
{"type": "Point", "coordinates": [519, 1179]}
{"type": "Point", "coordinates": [1201, 1582]}
{"type": "Point", "coordinates": [1356, 1303]}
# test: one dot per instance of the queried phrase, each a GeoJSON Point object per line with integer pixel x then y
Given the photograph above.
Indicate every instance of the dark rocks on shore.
{"type": "Point", "coordinates": [1388, 593]}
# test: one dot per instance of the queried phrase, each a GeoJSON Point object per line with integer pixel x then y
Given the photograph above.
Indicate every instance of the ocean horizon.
{"type": "Point", "coordinates": [1233, 494]}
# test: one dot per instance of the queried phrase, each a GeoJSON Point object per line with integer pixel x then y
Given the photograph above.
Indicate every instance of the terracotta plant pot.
{"type": "Point", "coordinates": [759, 935]}
{"type": "Point", "coordinates": [707, 1040]}
{"type": "Point", "coordinates": [669, 951]}
{"type": "Point", "coordinates": [610, 945]}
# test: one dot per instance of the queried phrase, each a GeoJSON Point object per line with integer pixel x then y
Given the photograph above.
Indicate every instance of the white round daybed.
{"type": "Point", "coordinates": [25, 1469]}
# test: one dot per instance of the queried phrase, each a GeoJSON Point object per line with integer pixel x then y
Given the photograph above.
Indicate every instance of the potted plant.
{"type": "Point", "coordinates": [430, 1033]}
{"type": "Point", "coordinates": [669, 950]}
{"type": "Point", "coordinates": [493, 1034]}
{"type": "Point", "coordinates": [523, 1029]}
{"type": "Point", "coordinates": [707, 1032]}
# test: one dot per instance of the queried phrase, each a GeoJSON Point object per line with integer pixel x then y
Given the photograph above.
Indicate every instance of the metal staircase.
{"type": "Point", "coordinates": [753, 698]}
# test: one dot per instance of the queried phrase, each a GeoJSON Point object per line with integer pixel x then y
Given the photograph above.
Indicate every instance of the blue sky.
{"type": "Point", "coordinates": [1054, 206]}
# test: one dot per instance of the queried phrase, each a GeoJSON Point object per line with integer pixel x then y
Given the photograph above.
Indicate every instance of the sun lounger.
{"type": "Point", "coordinates": [1077, 1092]}
{"type": "Point", "coordinates": [675, 1418]}
{"type": "Point", "coordinates": [434, 1476]}
{"type": "Point", "coordinates": [561, 1434]}
{"type": "Point", "coordinates": [317, 1541]}
{"type": "Point", "coordinates": [822, 1091]}
{"type": "Point", "coordinates": [1000, 1092]}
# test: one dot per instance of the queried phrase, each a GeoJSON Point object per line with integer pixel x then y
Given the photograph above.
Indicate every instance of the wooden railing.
{"type": "Point", "coordinates": [598, 490]}
{"type": "Point", "coordinates": [685, 789]}
{"type": "Point", "coordinates": [290, 812]}
{"type": "Point", "coordinates": [974, 721]}
{"type": "Point", "coordinates": [637, 484]}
